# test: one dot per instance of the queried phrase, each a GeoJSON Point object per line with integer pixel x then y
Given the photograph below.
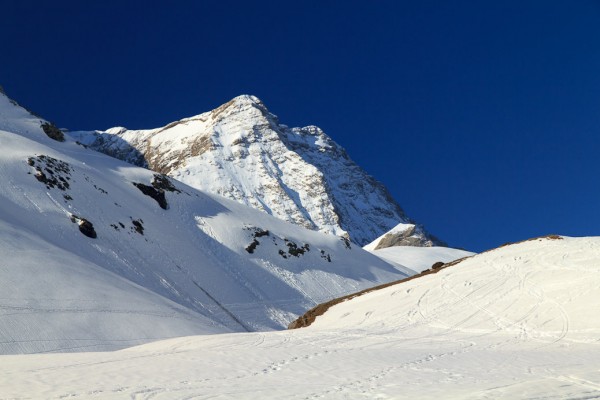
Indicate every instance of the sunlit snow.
{"type": "Point", "coordinates": [517, 322]}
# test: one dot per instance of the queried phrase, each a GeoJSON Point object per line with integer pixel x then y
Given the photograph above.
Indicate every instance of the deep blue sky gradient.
{"type": "Point", "coordinates": [481, 117]}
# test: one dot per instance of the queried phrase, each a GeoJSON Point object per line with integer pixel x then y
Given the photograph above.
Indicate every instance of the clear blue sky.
{"type": "Point", "coordinates": [481, 117]}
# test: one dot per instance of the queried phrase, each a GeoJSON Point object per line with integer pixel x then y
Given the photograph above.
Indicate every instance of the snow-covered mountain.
{"type": "Point", "coordinates": [518, 322]}
{"type": "Point", "coordinates": [241, 151]}
{"type": "Point", "coordinates": [100, 254]}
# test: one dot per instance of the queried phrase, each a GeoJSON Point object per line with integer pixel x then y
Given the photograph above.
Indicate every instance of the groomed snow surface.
{"type": "Point", "coordinates": [517, 322]}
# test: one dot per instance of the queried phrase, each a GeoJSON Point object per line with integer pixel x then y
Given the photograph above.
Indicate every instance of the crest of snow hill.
{"type": "Point", "coordinates": [101, 254]}
{"type": "Point", "coordinates": [241, 151]}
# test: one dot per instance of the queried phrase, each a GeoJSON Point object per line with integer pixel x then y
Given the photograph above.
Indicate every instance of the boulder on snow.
{"type": "Point", "coordinates": [85, 226]}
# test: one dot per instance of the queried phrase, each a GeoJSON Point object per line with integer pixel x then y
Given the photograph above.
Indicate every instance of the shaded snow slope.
{"type": "Point", "coordinates": [53, 300]}
{"type": "Point", "coordinates": [419, 259]}
{"type": "Point", "coordinates": [241, 151]}
{"type": "Point", "coordinates": [516, 322]}
{"type": "Point", "coordinates": [227, 266]}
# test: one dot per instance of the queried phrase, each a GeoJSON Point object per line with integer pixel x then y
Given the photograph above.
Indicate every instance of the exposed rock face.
{"type": "Point", "coordinates": [404, 234]}
{"type": "Point", "coordinates": [241, 151]}
{"type": "Point", "coordinates": [406, 238]}
{"type": "Point", "coordinates": [160, 184]}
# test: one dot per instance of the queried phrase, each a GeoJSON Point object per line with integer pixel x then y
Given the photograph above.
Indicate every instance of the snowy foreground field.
{"type": "Point", "coordinates": [522, 321]}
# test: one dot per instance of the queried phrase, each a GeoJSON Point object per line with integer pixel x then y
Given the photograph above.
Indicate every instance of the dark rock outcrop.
{"type": "Point", "coordinates": [53, 132]}
{"type": "Point", "coordinates": [85, 226]}
{"type": "Point", "coordinates": [158, 195]}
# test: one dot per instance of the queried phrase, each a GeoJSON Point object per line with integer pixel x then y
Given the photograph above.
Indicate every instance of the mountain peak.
{"type": "Point", "coordinates": [245, 106]}
{"type": "Point", "coordinates": [108, 256]}
{"type": "Point", "coordinates": [241, 102]}
{"type": "Point", "coordinates": [240, 150]}
{"type": "Point", "coordinates": [247, 99]}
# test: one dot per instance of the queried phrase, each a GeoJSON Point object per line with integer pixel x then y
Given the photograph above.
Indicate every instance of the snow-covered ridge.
{"type": "Point", "coordinates": [539, 290]}
{"type": "Point", "coordinates": [241, 151]}
{"type": "Point", "coordinates": [147, 257]}
{"type": "Point", "coordinates": [419, 258]}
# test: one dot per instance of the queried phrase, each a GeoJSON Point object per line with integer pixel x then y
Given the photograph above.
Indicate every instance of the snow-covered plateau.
{"type": "Point", "coordinates": [518, 322]}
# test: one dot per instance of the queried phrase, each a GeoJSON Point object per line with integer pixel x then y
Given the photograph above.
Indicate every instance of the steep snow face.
{"type": "Point", "coordinates": [14, 118]}
{"type": "Point", "coordinates": [513, 323]}
{"type": "Point", "coordinates": [157, 241]}
{"type": "Point", "coordinates": [242, 152]}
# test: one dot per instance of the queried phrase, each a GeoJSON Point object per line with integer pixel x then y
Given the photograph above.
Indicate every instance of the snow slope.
{"type": "Point", "coordinates": [241, 151]}
{"type": "Point", "coordinates": [129, 240]}
{"type": "Point", "coordinates": [53, 300]}
{"type": "Point", "coordinates": [517, 322]}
